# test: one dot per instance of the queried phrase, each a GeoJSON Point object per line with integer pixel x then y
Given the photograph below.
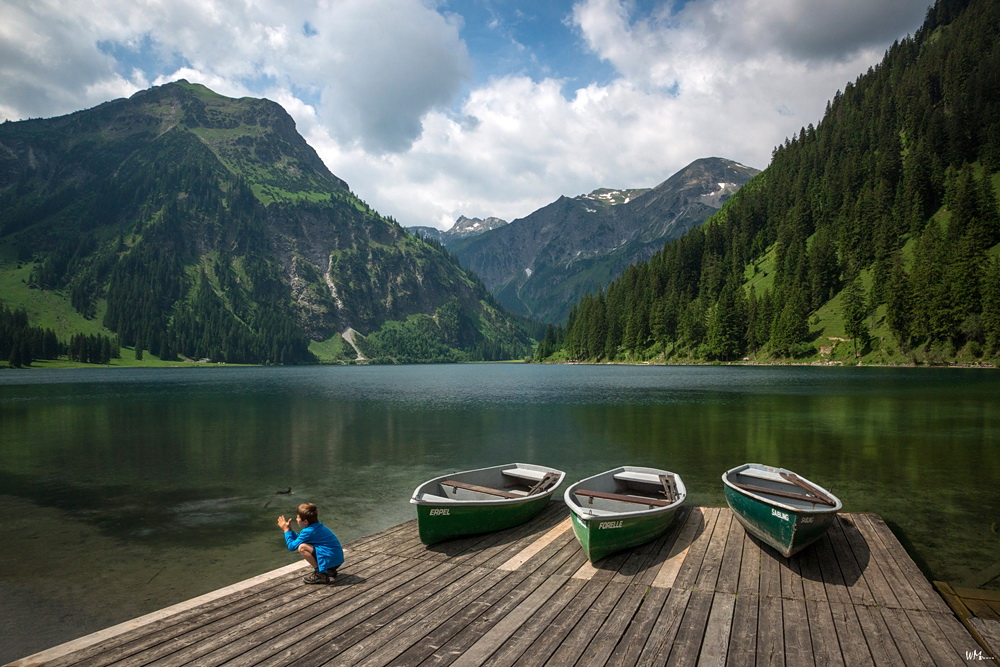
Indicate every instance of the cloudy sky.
{"type": "Point", "coordinates": [431, 109]}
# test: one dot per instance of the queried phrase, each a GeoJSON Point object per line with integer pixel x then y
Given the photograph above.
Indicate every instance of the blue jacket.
{"type": "Point", "coordinates": [329, 553]}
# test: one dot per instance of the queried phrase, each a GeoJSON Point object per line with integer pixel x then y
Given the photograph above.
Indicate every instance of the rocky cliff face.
{"type": "Point", "coordinates": [541, 264]}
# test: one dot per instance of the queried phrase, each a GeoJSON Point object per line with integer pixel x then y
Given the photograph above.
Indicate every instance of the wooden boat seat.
{"type": "Point", "coordinates": [638, 500]}
{"type": "Point", "coordinates": [753, 488]}
{"type": "Point", "coordinates": [479, 489]}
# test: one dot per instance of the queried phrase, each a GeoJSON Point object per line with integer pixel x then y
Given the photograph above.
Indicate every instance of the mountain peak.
{"type": "Point", "coordinates": [468, 226]}
{"type": "Point", "coordinates": [613, 196]}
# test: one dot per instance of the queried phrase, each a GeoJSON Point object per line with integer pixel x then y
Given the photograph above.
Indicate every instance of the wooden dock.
{"type": "Point", "coordinates": [704, 594]}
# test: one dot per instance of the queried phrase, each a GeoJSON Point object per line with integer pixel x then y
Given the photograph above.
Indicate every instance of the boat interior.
{"type": "Point", "coordinates": [781, 486]}
{"type": "Point", "coordinates": [627, 491]}
{"type": "Point", "coordinates": [496, 484]}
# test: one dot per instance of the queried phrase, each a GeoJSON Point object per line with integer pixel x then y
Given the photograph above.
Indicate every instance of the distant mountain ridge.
{"type": "Point", "coordinates": [190, 223]}
{"type": "Point", "coordinates": [463, 228]}
{"type": "Point", "coordinates": [540, 264]}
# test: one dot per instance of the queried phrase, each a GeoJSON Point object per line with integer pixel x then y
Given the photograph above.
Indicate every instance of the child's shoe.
{"type": "Point", "coordinates": [332, 573]}
{"type": "Point", "coordinates": [317, 577]}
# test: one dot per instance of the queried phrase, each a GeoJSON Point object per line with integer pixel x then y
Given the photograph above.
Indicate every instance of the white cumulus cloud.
{"type": "Point", "coordinates": [384, 89]}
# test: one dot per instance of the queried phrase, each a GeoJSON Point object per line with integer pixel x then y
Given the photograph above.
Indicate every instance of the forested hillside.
{"type": "Point", "coordinates": [872, 235]}
{"type": "Point", "coordinates": [182, 223]}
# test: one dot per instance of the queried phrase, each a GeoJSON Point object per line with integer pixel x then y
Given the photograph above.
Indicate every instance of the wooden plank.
{"type": "Point", "coordinates": [611, 630]}
{"type": "Point", "coordinates": [587, 627]}
{"type": "Point", "coordinates": [771, 563]}
{"type": "Point", "coordinates": [280, 626]}
{"type": "Point", "coordinates": [715, 647]}
{"type": "Point", "coordinates": [909, 570]}
{"type": "Point", "coordinates": [623, 498]}
{"type": "Point", "coordinates": [522, 557]}
{"type": "Point", "coordinates": [749, 566]}
{"type": "Point", "coordinates": [977, 594]}
{"type": "Point", "coordinates": [880, 587]}
{"type": "Point", "coordinates": [351, 643]}
{"type": "Point", "coordinates": [573, 564]}
{"type": "Point", "coordinates": [811, 573]}
{"type": "Point", "coordinates": [639, 630]}
{"type": "Point", "coordinates": [770, 633]}
{"type": "Point", "coordinates": [486, 621]}
{"type": "Point", "coordinates": [823, 634]}
{"type": "Point", "coordinates": [989, 630]}
{"type": "Point", "coordinates": [954, 631]}
{"type": "Point", "coordinates": [906, 639]}
{"type": "Point", "coordinates": [934, 638]}
{"type": "Point", "coordinates": [407, 528]}
{"type": "Point", "coordinates": [203, 633]}
{"type": "Point", "coordinates": [835, 588]}
{"type": "Point", "coordinates": [852, 571]}
{"type": "Point", "coordinates": [688, 574]}
{"type": "Point", "coordinates": [568, 549]}
{"type": "Point", "coordinates": [527, 635]}
{"type": "Point", "coordinates": [476, 488]}
{"type": "Point", "coordinates": [691, 632]}
{"type": "Point", "coordinates": [742, 650]}
{"type": "Point", "coordinates": [439, 632]}
{"type": "Point", "coordinates": [560, 627]}
{"type": "Point", "coordinates": [898, 583]}
{"type": "Point", "coordinates": [643, 561]}
{"type": "Point", "coordinates": [877, 636]}
{"type": "Point", "coordinates": [791, 578]}
{"type": "Point", "coordinates": [283, 634]}
{"type": "Point", "coordinates": [509, 542]}
{"type": "Point", "coordinates": [393, 639]}
{"type": "Point", "coordinates": [732, 559]}
{"type": "Point", "coordinates": [850, 636]}
{"type": "Point", "coordinates": [661, 550]}
{"type": "Point", "coordinates": [981, 609]}
{"type": "Point", "coordinates": [693, 526]}
{"type": "Point", "coordinates": [661, 639]}
{"type": "Point", "coordinates": [797, 642]}
{"type": "Point", "coordinates": [705, 593]}
{"type": "Point", "coordinates": [119, 635]}
{"type": "Point", "coordinates": [708, 574]}
{"type": "Point", "coordinates": [501, 631]}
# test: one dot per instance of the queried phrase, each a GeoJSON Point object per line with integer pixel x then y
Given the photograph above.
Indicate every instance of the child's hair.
{"type": "Point", "coordinates": [308, 512]}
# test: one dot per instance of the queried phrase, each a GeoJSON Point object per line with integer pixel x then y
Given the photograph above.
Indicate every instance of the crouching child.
{"type": "Point", "coordinates": [315, 543]}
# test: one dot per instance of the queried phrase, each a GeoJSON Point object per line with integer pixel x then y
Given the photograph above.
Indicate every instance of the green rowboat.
{"type": "Point", "coordinates": [482, 500]}
{"type": "Point", "coordinates": [781, 509]}
{"type": "Point", "coordinates": [623, 508]}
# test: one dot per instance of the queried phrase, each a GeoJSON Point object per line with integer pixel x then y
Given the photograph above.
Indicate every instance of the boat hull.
{"type": "Point", "coordinates": [623, 508]}
{"type": "Point", "coordinates": [440, 522]}
{"type": "Point", "coordinates": [785, 530]}
{"type": "Point", "coordinates": [603, 536]}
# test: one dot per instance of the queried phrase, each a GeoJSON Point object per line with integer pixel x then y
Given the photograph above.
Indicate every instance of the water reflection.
{"type": "Point", "coordinates": [179, 468]}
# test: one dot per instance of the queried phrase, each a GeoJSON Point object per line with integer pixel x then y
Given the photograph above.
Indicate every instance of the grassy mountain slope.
{"type": "Point", "coordinates": [185, 222]}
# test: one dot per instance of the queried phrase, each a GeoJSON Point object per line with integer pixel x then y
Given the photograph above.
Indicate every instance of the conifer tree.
{"type": "Point", "coordinates": [855, 313]}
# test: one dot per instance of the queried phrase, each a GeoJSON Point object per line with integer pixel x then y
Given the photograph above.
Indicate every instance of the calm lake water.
{"type": "Point", "coordinates": [123, 491]}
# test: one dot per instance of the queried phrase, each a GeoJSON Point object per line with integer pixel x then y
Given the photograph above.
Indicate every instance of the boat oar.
{"type": "Point", "coordinates": [809, 488]}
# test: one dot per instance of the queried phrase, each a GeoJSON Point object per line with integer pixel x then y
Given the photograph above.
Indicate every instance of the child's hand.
{"type": "Point", "coordinates": [284, 524]}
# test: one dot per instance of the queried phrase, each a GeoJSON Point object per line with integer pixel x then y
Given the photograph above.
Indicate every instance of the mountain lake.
{"type": "Point", "coordinates": [123, 491]}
